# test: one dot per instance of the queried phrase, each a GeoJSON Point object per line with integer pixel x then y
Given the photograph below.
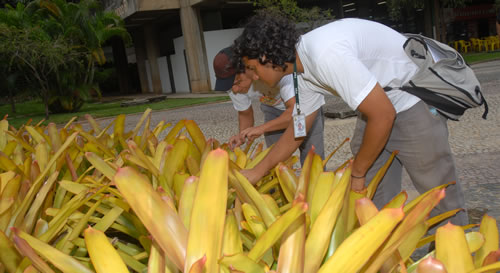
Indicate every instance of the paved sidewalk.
{"type": "Point", "coordinates": [474, 141]}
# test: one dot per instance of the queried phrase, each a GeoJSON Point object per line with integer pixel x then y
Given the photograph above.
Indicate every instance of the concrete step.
{"type": "Point", "coordinates": [139, 101]}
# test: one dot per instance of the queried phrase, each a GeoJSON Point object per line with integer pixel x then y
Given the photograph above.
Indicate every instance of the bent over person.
{"type": "Point", "coordinates": [276, 104]}
{"type": "Point", "coordinates": [355, 59]}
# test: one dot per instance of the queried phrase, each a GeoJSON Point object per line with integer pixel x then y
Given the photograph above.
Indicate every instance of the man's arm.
{"type": "Point", "coordinates": [245, 120]}
{"type": "Point", "coordinates": [380, 114]}
{"type": "Point", "coordinates": [278, 123]}
{"type": "Point", "coordinates": [281, 151]}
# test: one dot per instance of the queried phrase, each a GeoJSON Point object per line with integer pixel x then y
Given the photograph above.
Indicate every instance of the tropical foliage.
{"type": "Point", "coordinates": [397, 8]}
{"type": "Point", "coordinates": [158, 200]}
{"type": "Point", "coordinates": [313, 17]}
{"type": "Point", "coordinates": [56, 45]}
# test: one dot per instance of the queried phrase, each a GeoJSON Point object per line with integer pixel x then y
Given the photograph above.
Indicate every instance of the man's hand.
{"type": "Point", "coordinates": [252, 175]}
{"type": "Point", "coordinates": [242, 82]}
{"type": "Point", "coordinates": [236, 141]}
{"type": "Point", "coordinates": [252, 133]}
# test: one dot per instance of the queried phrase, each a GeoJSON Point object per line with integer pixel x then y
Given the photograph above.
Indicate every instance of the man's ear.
{"type": "Point", "coordinates": [250, 74]}
{"type": "Point", "coordinates": [278, 68]}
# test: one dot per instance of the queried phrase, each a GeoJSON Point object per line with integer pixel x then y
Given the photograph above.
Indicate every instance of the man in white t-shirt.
{"type": "Point", "coordinates": [276, 103]}
{"type": "Point", "coordinates": [355, 59]}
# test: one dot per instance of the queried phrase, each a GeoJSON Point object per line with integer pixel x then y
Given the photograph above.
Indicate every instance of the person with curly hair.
{"type": "Point", "coordinates": [355, 59]}
{"type": "Point", "coordinates": [275, 103]}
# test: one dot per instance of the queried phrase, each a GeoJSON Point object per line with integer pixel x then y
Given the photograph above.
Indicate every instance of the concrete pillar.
{"type": "Point", "coordinates": [440, 26]}
{"type": "Point", "coordinates": [363, 9]}
{"type": "Point", "coordinates": [140, 57]}
{"type": "Point", "coordinates": [340, 9]}
{"type": "Point", "coordinates": [153, 52]}
{"type": "Point", "coordinates": [121, 64]}
{"type": "Point", "coordinates": [197, 64]}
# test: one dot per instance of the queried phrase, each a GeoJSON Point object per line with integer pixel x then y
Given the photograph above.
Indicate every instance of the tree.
{"type": "Point", "coordinates": [397, 8]}
{"type": "Point", "coordinates": [8, 84]}
{"type": "Point", "coordinates": [82, 27]}
{"type": "Point", "coordinates": [7, 2]}
{"type": "Point", "coordinates": [311, 17]}
{"type": "Point", "coordinates": [435, 25]}
{"type": "Point", "coordinates": [10, 75]}
{"type": "Point", "coordinates": [38, 54]}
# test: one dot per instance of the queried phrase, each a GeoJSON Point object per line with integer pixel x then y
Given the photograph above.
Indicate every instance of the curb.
{"type": "Point", "coordinates": [340, 115]}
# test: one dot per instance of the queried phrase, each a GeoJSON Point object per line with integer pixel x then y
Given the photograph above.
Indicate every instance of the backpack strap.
{"type": "Point", "coordinates": [437, 101]}
{"type": "Point", "coordinates": [413, 53]}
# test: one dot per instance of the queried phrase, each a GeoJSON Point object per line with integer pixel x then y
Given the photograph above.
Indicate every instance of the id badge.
{"type": "Point", "coordinates": [299, 125]}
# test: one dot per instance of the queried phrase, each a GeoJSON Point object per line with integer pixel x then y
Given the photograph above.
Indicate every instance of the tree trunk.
{"type": "Point", "coordinates": [11, 99]}
{"type": "Point", "coordinates": [86, 80]}
{"type": "Point", "coordinates": [92, 72]}
{"type": "Point", "coordinates": [9, 82]}
{"type": "Point", "coordinates": [45, 94]}
{"type": "Point", "coordinates": [46, 107]}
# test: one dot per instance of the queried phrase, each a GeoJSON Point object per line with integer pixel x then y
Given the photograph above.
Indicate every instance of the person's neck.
{"type": "Point", "coordinates": [300, 67]}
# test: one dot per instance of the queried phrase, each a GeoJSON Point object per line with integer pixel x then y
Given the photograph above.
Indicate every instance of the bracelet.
{"type": "Point", "coordinates": [353, 176]}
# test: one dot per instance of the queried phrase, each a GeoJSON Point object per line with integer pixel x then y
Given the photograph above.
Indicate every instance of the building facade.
{"type": "Point", "coordinates": [174, 41]}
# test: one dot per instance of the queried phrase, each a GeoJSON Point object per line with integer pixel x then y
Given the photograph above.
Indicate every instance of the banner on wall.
{"type": "Point", "coordinates": [474, 12]}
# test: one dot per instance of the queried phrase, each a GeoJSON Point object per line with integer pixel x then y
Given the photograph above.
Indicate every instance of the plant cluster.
{"type": "Point", "coordinates": [307, 18]}
{"type": "Point", "coordinates": [76, 200]}
{"type": "Point", "coordinates": [397, 8]}
{"type": "Point", "coordinates": [55, 46]}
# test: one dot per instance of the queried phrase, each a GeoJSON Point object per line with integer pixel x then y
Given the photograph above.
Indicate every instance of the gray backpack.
{"type": "Point", "coordinates": [444, 80]}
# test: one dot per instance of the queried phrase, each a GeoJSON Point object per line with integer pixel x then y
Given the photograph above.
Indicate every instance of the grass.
{"type": "Point", "coordinates": [472, 58]}
{"type": "Point", "coordinates": [35, 109]}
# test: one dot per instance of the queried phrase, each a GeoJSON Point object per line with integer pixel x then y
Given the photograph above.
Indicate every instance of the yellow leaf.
{"type": "Point", "coordinates": [103, 255]}
{"type": "Point", "coordinates": [452, 249]}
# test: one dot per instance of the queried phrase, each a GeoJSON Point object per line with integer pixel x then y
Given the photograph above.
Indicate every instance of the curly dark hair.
{"type": "Point", "coordinates": [266, 35]}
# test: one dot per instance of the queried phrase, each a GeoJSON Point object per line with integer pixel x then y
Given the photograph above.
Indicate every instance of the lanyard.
{"type": "Point", "coordinates": [296, 87]}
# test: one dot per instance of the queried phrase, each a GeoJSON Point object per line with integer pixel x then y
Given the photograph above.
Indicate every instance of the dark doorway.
{"type": "Point", "coordinates": [483, 28]}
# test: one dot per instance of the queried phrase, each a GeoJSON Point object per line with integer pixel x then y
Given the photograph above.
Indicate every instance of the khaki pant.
{"type": "Point", "coordinates": [421, 137]}
{"type": "Point", "coordinates": [314, 136]}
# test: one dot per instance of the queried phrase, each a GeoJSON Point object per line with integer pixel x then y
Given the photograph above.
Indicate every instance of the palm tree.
{"type": "Point", "coordinates": [88, 27]}
{"type": "Point", "coordinates": [103, 27]}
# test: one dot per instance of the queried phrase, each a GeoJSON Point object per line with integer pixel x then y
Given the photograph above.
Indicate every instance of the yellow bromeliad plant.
{"type": "Point", "coordinates": [158, 200]}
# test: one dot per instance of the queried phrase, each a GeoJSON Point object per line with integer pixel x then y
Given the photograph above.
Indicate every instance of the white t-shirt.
{"type": "Point", "coordinates": [274, 97]}
{"type": "Point", "coordinates": [348, 57]}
